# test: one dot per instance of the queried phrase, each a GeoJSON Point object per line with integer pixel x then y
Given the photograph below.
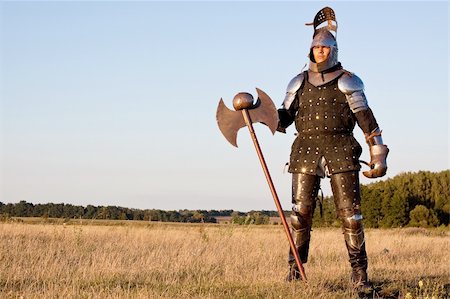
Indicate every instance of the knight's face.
{"type": "Point", "coordinates": [321, 53]}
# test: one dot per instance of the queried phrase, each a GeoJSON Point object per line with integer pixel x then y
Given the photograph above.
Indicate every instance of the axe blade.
{"type": "Point", "coordinates": [229, 122]}
{"type": "Point", "coordinates": [266, 112]}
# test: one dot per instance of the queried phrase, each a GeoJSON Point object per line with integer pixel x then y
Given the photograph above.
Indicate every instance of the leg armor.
{"type": "Point", "coordinates": [347, 199]}
{"type": "Point", "coordinates": [304, 192]}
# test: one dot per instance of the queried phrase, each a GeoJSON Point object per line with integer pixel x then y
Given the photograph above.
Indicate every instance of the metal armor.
{"type": "Point", "coordinates": [347, 200]}
{"type": "Point", "coordinates": [325, 123]}
{"type": "Point", "coordinates": [323, 37]}
{"type": "Point", "coordinates": [353, 88]}
{"type": "Point", "coordinates": [291, 91]}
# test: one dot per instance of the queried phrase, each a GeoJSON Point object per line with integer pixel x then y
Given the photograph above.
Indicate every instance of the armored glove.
{"type": "Point", "coordinates": [378, 155]}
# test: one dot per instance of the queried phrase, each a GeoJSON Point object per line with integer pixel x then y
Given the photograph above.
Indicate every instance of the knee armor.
{"type": "Point", "coordinates": [353, 231]}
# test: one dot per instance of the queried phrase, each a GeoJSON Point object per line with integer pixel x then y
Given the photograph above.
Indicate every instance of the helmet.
{"type": "Point", "coordinates": [323, 37]}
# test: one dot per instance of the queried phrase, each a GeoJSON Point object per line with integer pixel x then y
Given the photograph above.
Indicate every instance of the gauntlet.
{"type": "Point", "coordinates": [378, 155]}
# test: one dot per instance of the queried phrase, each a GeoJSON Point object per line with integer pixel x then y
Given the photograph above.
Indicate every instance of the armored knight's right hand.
{"type": "Point", "coordinates": [378, 155]}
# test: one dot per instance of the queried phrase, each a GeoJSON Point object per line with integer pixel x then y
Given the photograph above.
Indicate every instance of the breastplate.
{"type": "Point", "coordinates": [323, 110]}
{"type": "Point", "coordinates": [325, 124]}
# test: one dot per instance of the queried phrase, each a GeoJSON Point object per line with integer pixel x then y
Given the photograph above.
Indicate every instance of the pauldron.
{"type": "Point", "coordinates": [353, 88]}
{"type": "Point", "coordinates": [292, 89]}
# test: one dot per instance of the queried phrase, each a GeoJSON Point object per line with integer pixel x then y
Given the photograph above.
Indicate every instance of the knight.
{"type": "Point", "coordinates": [326, 102]}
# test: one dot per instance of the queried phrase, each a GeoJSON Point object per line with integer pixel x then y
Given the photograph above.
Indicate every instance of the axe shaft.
{"type": "Point", "coordinates": [249, 124]}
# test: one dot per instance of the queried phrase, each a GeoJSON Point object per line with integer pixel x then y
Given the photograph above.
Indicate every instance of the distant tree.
{"type": "Point", "coordinates": [423, 217]}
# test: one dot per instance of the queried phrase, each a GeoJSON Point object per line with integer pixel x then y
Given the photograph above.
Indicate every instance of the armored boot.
{"type": "Point", "coordinates": [354, 240]}
{"type": "Point", "coordinates": [347, 198]}
{"type": "Point", "coordinates": [304, 192]}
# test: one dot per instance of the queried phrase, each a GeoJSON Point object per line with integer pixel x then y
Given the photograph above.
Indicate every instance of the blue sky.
{"type": "Point", "coordinates": [113, 103]}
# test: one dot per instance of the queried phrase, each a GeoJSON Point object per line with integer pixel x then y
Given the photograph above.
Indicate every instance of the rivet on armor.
{"type": "Point", "coordinates": [324, 87]}
{"type": "Point", "coordinates": [317, 117]}
{"type": "Point", "coordinates": [309, 89]}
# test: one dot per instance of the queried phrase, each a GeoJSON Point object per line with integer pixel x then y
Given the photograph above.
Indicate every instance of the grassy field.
{"type": "Point", "coordinates": [158, 260]}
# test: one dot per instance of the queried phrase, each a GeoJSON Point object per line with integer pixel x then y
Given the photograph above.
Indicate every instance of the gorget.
{"type": "Point", "coordinates": [318, 79]}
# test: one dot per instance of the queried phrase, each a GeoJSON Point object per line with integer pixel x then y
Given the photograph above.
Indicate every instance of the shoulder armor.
{"type": "Point", "coordinates": [348, 83]}
{"type": "Point", "coordinates": [292, 89]}
{"type": "Point", "coordinates": [353, 88]}
{"type": "Point", "coordinates": [295, 83]}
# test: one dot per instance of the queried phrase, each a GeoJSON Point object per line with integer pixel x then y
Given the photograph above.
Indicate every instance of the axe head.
{"type": "Point", "coordinates": [262, 111]}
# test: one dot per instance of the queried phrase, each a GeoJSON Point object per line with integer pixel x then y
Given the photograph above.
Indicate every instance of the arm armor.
{"type": "Point", "coordinates": [286, 113]}
{"type": "Point", "coordinates": [353, 88]}
{"type": "Point", "coordinates": [378, 155]}
{"type": "Point", "coordinates": [291, 90]}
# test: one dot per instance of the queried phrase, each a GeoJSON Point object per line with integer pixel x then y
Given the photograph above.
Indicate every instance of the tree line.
{"type": "Point", "coordinates": [408, 199]}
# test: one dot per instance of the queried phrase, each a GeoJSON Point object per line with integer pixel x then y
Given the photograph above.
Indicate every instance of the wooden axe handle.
{"type": "Point", "coordinates": [248, 122]}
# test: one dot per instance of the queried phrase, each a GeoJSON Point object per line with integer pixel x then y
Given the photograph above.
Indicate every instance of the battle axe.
{"type": "Point", "coordinates": [262, 111]}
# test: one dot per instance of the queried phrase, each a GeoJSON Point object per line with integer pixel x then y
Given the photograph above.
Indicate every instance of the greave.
{"type": "Point", "coordinates": [304, 192]}
{"type": "Point", "coordinates": [347, 198]}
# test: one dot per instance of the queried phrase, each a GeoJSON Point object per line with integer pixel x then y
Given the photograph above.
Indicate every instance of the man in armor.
{"type": "Point", "coordinates": [326, 102]}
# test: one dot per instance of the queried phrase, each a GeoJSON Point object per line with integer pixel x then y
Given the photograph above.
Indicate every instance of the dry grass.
{"type": "Point", "coordinates": [208, 261]}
